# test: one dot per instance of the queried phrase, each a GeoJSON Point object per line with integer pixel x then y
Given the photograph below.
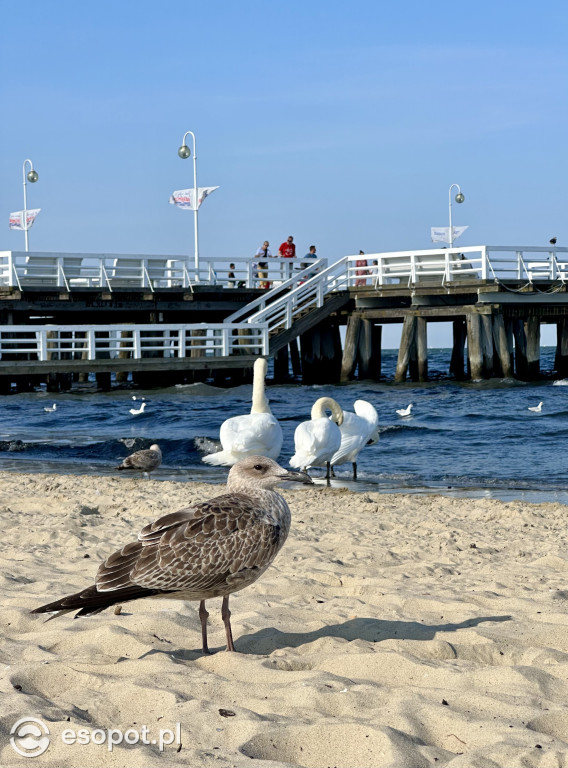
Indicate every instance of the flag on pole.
{"type": "Point", "coordinates": [442, 234]}
{"type": "Point", "coordinates": [17, 219]}
{"type": "Point", "coordinates": [183, 198]}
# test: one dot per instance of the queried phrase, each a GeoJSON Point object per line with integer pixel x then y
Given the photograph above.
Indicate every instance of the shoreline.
{"type": "Point", "coordinates": [393, 629]}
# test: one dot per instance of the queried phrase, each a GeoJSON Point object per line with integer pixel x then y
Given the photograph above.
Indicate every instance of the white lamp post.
{"type": "Point", "coordinates": [32, 177]}
{"type": "Point", "coordinates": [459, 199]}
{"type": "Point", "coordinates": [184, 152]}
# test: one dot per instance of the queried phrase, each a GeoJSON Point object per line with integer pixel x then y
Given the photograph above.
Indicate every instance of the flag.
{"type": "Point", "coordinates": [442, 234]}
{"type": "Point", "coordinates": [183, 198]}
{"type": "Point", "coordinates": [17, 219]}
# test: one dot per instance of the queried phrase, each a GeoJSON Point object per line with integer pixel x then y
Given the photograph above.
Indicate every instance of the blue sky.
{"type": "Point", "coordinates": [343, 124]}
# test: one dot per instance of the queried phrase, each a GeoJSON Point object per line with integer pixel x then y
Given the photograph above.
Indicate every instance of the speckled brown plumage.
{"type": "Point", "coordinates": [211, 549]}
{"type": "Point", "coordinates": [143, 461]}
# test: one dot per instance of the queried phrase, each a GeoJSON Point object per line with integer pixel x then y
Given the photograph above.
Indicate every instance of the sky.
{"type": "Point", "coordinates": [343, 124]}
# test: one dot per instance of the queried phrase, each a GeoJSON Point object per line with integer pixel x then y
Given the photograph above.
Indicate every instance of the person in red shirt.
{"type": "Point", "coordinates": [288, 250]}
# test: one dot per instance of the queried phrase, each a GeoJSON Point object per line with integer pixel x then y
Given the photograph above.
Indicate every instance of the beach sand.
{"type": "Point", "coordinates": [392, 631]}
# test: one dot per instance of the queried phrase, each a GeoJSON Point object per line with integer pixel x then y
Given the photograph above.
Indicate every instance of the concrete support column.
{"type": "Point", "coordinates": [281, 365]}
{"type": "Point", "coordinates": [295, 358]}
{"type": "Point", "coordinates": [407, 343]}
{"type": "Point", "coordinates": [487, 345]}
{"type": "Point", "coordinates": [349, 361]}
{"type": "Point", "coordinates": [422, 348]}
{"type": "Point", "coordinates": [561, 359]}
{"type": "Point", "coordinates": [521, 366]}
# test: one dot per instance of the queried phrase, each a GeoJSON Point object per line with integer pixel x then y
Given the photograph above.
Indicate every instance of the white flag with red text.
{"type": "Point", "coordinates": [442, 234]}
{"type": "Point", "coordinates": [17, 219]}
{"type": "Point", "coordinates": [184, 198]}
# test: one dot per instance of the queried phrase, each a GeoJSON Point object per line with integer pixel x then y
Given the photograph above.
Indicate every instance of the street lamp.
{"type": "Point", "coordinates": [459, 198]}
{"type": "Point", "coordinates": [32, 177]}
{"type": "Point", "coordinates": [184, 152]}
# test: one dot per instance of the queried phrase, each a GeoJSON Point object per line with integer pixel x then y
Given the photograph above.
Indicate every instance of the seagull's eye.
{"type": "Point", "coordinates": [259, 467]}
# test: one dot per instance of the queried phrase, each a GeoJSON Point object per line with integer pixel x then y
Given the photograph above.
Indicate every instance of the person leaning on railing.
{"type": "Point", "coordinates": [361, 263]}
{"type": "Point", "coordinates": [262, 273]}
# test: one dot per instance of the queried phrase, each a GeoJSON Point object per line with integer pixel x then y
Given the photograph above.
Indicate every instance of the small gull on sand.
{"type": "Point", "coordinates": [50, 409]}
{"type": "Point", "coordinates": [405, 411]}
{"type": "Point", "coordinates": [211, 549]}
{"type": "Point", "coordinates": [536, 408]}
{"type": "Point", "coordinates": [138, 411]}
{"type": "Point", "coordinates": [143, 461]}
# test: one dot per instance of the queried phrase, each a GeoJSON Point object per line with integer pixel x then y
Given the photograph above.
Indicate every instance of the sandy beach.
{"type": "Point", "coordinates": [396, 631]}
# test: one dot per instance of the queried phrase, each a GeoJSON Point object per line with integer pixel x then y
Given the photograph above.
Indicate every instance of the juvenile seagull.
{"type": "Point", "coordinates": [51, 409]}
{"type": "Point", "coordinates": [143, 461]}
{"type": "Point", "coordinates": [405, 411]}
{"type": "Point", "coordinates": [137, 411]}
{"type": "Point", "coordinates": [317, 440]}
{"type": "Point", "coordinates": [211, 549]}
{"type": "Point", "coordinates": [536, 408]}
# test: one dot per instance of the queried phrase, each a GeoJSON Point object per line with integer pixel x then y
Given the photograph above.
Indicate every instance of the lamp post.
{"type": "Point", "coordinates": [459, 199]}
{"type": "Point", "coordinates": [32, 177]}
{"type": "Point", "coordinates": [184, 152]}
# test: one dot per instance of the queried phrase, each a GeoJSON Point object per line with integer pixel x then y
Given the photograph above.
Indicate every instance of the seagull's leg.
{"type": "Point", "coordinates": [354, 470]}
{"type": "Point", "coordinates": [226, 616]}
{"type": "Point", "coordinates": [203, 616]}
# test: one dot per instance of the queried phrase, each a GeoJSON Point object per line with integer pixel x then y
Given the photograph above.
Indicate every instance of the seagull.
{"type": "Point", "coordinates": [143, 461]}
{"type": "Point", "coordinates": [553, 240]}
{"type": "Point", "coordinates": [51, 409]}
{"type": "Point", "coordinates": [254, 433]}
{"type": "Point", "coordinates": [358, 430]}
{"type": "Point", "coordinates": [211, 549]}
{"type": "Point", "coordinates": [317, 440]}
{"type": "Point", "coordinates": [138, 411]}
{"type": "Point", "coordinates": [405, 411]}
{"type": "Point", "coordinates": [536, 408]}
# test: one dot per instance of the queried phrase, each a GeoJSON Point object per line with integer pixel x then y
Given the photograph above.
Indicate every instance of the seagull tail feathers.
{"type": "Point", "coordinates": [91, 601]}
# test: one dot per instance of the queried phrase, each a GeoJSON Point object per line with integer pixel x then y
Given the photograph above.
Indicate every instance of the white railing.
{"type": "Point", "coordinates": [93, 342]}
{"type": "Point", "coordinates": [68, 271]}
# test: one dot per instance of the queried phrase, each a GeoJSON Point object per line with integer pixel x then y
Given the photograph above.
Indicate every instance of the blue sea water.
{"type": "Point", "coordinates": [465, 439]}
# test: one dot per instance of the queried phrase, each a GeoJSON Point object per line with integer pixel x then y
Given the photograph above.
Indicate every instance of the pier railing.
{"type": "Point", "coordinates": [43, 343]}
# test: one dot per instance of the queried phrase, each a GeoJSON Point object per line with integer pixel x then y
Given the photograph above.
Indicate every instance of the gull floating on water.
{"type": "Point", "coordinates": [405, 411]}
{"type": "Point", "coordinates": [254, 433]}
{"type": "Point", "coordinates": [536, 408]}
{"type": "Point", "coordinates": [138, 411]}
{"type": "Point", "coordinates": [358, 430]}
{"type": "Point", "coordinates": [210, 549]}
{"type": "Point", "coordinates": [145, 461]}
{"type": "Point", "coordinates": [317, 440]}
{"type": "Point", "coordinates": [50, 408]}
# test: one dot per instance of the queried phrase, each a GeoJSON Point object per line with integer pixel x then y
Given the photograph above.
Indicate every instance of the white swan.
{"type": "Point", "coordinates": [536, 408]}
{"type": "Point", "coordinates": [405, 411]}
{"type": "Point", "coordinates": [358, 430]}
{"type": "Point", "coordinates": [317, 440]}
{"type": "Point", "coordinates": [255, 434]}
{"type": "Point", "coordinates": [137, 411]}
{"type": "Point", "coordinates": [51, 409]}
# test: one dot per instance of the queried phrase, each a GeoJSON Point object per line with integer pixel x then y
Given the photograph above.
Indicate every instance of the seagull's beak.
{"type": "Point", "coordinates": [297, 477]}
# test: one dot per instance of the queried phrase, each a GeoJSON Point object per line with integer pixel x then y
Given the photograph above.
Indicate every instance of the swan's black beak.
{"type": "Point", "coordinates": [297, 477]}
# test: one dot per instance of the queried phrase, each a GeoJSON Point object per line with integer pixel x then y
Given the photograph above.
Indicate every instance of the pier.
{"type": "Point", "coordinates": [65, 316]}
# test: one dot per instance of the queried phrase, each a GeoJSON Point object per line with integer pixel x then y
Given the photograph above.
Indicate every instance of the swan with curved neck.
{"type": "Point", "coordinates": [257, 433]}
{"type": "Point", "coordinates": [317, 440]}
{"type": "Point", "coordinates": [358, 430]}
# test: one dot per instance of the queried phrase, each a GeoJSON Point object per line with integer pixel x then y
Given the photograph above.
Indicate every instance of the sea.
{"type": "Point", "coordinates": [473, 439]}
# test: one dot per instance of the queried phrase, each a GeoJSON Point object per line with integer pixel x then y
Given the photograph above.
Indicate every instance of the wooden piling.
{"type": "Point", "coordinates": [422, 348]}
{"type": "Point", "coordinates": [407, 342]}
{"type": "Point", "coordinates": [521, 365]}
{"type": "Point", "coordinates": [365, 350]}
{"type": "Point", "coordinates": [458, 349]}
{"type": "Point", "coordinates": [502, 337]}
{"type": "Point", "coordinates": [474, 345]}
{"type": "Point", "coordinates": [281, 365]}
{"type": "Point", "coordinates": [295, 358]}
{"type": "Point", "coordinates": [487, 346]}
{"type": "Point", "coordinates": [349, 361]}
{"type": "Point", "coordinates": [532, 331]}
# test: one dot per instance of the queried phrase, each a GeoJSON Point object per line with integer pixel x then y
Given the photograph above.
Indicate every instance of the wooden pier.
{"type": "Point", "coordinates": [160, 327]}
